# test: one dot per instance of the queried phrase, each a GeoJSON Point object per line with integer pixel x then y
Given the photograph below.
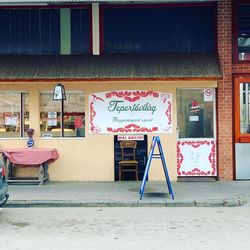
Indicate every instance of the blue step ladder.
{"type": "Point", "coordinates": [156, 140]}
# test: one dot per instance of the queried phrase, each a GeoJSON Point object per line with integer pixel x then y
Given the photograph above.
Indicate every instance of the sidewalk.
{"type": "Point", "coordinates": [125, 194]}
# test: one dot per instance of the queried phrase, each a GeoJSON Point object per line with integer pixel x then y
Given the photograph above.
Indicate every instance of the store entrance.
{"type": "Point", "coordinates": [141, 155]}
{"type": "Point", "coordinates": [196, 145]}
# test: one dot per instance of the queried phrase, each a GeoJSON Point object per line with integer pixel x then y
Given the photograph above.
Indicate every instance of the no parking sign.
{"type": "Point", "coordinates": [208, 95]}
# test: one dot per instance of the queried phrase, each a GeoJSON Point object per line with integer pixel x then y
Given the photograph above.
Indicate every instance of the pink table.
{"type": "Point", "coordinates": [29, 157]}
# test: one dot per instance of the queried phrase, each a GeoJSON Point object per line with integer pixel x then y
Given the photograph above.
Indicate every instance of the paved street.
{"type": "Point", "coordinates": [125, 228]}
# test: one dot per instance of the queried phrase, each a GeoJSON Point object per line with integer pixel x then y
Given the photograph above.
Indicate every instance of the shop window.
{"type": "Point", "coordinates": [195, 113]}
{"type": "Point", "coordinates": [14, 114]}
{"type": "Point", "coordinates": [242, 33]}
{"type": "Point", "coordinates": [62, 119]}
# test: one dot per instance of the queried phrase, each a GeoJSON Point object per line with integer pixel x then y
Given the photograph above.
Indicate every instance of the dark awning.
{"type": "Point", "coordinates": [46, 2]}
{"type": "Point", "coordinates": [122, 66]}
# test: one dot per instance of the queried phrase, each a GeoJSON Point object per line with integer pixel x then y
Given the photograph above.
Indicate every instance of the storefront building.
{"type": "Point", "coordinates": [131, 71]}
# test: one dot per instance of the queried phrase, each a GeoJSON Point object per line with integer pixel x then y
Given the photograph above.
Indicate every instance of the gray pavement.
{"type": "Point", "coordinates": [126, 194]}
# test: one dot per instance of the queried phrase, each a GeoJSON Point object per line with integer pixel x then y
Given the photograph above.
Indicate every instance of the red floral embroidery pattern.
{"type": "Point", "coordinates": [196, 171]}
{"type": "Point", "coordinates": [92, 114]}
{"type": "Point", "coordinates": [168, 113]}
{"type": "Point", "coordinates": [132, 96]}
{"type": "Point", "coordinates": [132, 128]}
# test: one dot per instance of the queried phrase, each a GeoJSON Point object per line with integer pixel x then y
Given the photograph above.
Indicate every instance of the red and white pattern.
{"type": "Point", "coordinates": [196, 157]}
{"type": "Point", "coordinates": [130, 111]}
{"type": "Point", "coordinates": [133, 128]}
{"type": "Point", "coordinates": [132, 96]}
{"type": "Point", "coordinates": [93, 128]}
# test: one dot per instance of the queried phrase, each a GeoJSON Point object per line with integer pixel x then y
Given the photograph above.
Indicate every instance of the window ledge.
{"type": "Point", "coordinates": [62, 138]}
{"type": "Point", "coordinates": [14, 138]}
{"type": "Point", "coordinates": [244, 138]}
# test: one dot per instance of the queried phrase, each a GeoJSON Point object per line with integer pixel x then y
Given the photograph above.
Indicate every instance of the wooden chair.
{"type": "Point", "coordinates": [128, 162]}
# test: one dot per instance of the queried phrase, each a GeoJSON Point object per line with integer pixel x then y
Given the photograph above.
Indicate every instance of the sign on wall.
{"type": "Point", "coordinates": [52, 118]}
{"type": "Point", "coordinates": [130, 137]}
{"type": "Point", "coordinates": [130, 112]}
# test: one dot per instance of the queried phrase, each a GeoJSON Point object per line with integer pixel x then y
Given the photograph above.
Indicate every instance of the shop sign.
{"type": "Point", "coordinates": [193, 118]}
{"type": "Point", "coordinates": [78, 122]}
{"type": "Point", "coordinates": [194, 106]}
{"type": "Point", "coordinates": [130, 112]}
{"type": "Point", "coordinates": [52, 119]}
{"type": "Point", "coordinates": [130, 137]}
{"type": "Point", "coordinates": [11, 120]}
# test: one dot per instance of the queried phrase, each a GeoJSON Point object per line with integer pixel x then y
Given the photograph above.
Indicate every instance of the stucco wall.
{"type": "Point", "coordinates": [92, 158]}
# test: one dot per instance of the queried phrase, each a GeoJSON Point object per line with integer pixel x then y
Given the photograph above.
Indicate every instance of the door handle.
{"type": "Point", "coordinates": [177, 132]}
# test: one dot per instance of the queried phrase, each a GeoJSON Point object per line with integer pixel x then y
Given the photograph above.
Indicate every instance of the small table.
{"type": "Point", "coordinates": [28, 157]}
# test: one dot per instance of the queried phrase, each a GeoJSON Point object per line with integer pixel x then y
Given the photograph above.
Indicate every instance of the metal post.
{"type": "Point", "coordinates": [62, 118]}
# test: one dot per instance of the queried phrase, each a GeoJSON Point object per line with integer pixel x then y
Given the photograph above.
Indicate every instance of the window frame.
{"type": "Point", "coordinates": [85, 6]}
{"type": "Point", "coordinates": [62, 111]}
{"type": "Point", "coordinates": [22, 111]}
{"type": "Point", "coordinates": [239, 137]}
{"type": "Point", "coordinates": [235, 19]}
{"type": "Point", "coordinates": [214, 112]}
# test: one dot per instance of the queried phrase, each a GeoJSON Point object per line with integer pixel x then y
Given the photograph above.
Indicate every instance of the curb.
{"type": "Point", "coordinates": [231, 202]}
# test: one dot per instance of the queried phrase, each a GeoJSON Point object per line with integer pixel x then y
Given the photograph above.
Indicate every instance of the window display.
{"type": "Point", "coordinates": [195, 115]}
{"type": "Point", "coordinates": [14, 115]}
{"type": "Point", "coordinates": [73, 116]}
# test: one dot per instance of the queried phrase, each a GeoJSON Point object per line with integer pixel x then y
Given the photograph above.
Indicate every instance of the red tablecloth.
{"type": "Point", "coordinates": [30, 156]}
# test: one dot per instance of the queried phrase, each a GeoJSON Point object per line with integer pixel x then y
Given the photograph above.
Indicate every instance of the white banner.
{"type": "Point", "coordinates": [130, 112]}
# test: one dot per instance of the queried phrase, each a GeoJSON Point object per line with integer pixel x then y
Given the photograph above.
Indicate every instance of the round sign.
{"type": "Point", "coordinates": [208, 92]}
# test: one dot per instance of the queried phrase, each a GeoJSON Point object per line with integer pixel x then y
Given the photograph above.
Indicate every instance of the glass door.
{"type": "Point", "coordinates": [242, 128]}
{"type": "Point", "coordinates": [196, 143]}
{"type": "Point", "coordinates": [242, 111]}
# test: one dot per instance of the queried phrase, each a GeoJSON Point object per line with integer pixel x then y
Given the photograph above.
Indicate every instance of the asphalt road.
{"type": "Point", "coordinates": [125, 228]}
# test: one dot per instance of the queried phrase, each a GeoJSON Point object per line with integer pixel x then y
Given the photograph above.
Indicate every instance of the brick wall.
{"type": "Point", "coordinates": [224, 99]}
{"type": "Point", "coordinates": [241, 68]}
